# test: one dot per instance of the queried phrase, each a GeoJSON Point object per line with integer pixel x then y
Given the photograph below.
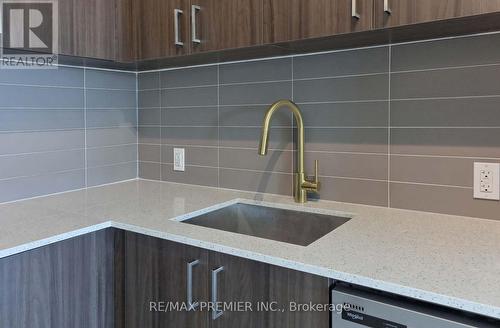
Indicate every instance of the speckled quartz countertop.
{"type": "Point", "coordinates": [448, 260]}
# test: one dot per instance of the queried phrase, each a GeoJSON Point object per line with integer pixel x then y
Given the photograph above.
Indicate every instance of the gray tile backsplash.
{"type": "Point", "coordinates": [65, 129]}
{"type": "Point", "coordinates": [396, 126]}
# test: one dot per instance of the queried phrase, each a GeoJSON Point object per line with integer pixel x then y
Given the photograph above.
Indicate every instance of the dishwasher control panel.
{"type": "Point", "coordinates": [358, 308]}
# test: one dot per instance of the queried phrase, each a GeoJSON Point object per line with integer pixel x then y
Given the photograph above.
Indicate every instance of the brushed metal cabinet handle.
{"type": "Point", "coordinates": [177, 14]}
{"type": "Point", "coordinates": [387, 8]}
{"type": "Point", "coordinates": [354, 9]}
{"type": "Point", "coordinates": [194, 36]}
{"type": "Point", "coordinates": [215, 313]}
{"type": "Point", "coordinates": [191, 305]}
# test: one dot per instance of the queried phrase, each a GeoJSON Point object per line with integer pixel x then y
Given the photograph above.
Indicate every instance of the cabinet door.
{"type": "Point", "coordinates": [287, 20]}
{"type": "Point", "coordinates": [157, 271]}
{"type": "Point", "coordinates": [70, 283]}
{"type": "Point", "coordinates": [293, 288]}
{"type": "Point", "coordinates": [389, 13]}
{"type": "Point", "coordinates": [227, 24]}
{"type": "Point", "coordinates": [239, 280]}
{"type": "Point", "coordinates": [87, 28]}
{"type": "Point", "coordinates": [158, 21]}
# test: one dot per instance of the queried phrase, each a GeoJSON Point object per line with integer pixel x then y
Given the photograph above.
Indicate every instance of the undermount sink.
{"type": "Point", "coordinates": [285, 225]}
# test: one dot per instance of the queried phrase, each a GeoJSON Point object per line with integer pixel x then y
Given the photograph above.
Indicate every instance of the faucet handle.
{"type": "Point", "coordinates": [312, 183]}
{"type": "Point", "coordinates": [316, 179]}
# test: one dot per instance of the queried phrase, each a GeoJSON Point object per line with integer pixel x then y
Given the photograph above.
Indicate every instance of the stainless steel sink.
{"type": "Point", "coordinates": [289, 226]}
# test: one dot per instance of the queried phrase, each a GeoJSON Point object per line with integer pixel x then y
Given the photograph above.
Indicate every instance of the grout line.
{"type": "Point", "coordinates": [218, 126]}
{"type": "Point", "coordinates": [137, 123]}
{"type": "Point", "coordinates": [389, 129]}
{"type": "Point", "coordinates": [447, 156]}
{"type": "Point", "coordinates": [294, 154]}
{"type": "Point", "coordinates": [161, 119]}
{"type": "Point", "coordinates": [42, 174]}
{"type": "Point", "coordinates": [431, 184]}
{"type": "Point", "coordinates": [68, 191]}
{"type": "Point", "coordinates": [109, 165]}
{"type": "Point", "coordinates": [446, 97]}
{"type": "Point", "coordinates": [444, 68]}
{"type": "Point", "coordinates": [85, 124]}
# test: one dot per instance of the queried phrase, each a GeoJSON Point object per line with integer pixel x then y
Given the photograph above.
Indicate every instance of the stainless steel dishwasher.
{"type": "Point", "coordinates": [355, 308]}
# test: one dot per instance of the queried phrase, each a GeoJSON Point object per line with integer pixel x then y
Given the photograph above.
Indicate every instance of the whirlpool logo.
{"type": "Point", "coordinates": [29, 33]}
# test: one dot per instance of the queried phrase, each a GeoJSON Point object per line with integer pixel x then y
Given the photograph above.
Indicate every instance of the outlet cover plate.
{"type": "Point", "coordinates": [179, 159]}
{"type": "Point", "coordinates": [487, 181]}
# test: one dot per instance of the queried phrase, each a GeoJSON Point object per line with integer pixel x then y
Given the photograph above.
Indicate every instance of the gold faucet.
{"type": "Point", "coordinates": [301, 184]}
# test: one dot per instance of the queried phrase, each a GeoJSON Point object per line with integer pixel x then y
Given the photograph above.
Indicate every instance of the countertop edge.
{"type": "Point", "coordinates": [444, 300]}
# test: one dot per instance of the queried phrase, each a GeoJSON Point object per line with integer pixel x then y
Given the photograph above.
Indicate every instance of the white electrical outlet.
{"type": "Point", "coordinates": [487, 181]}
{"type": "Point", "coordinates": [179, 159]}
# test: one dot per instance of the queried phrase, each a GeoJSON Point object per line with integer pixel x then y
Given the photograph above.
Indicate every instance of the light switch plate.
{"type": "Point", "coordinates": [487, 181]}
{"type": "Point", "coordinates": [179, 159]}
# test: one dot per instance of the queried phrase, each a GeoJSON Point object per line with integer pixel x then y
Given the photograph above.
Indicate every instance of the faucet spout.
{"type": "Point", "coordinates": [302, 185]}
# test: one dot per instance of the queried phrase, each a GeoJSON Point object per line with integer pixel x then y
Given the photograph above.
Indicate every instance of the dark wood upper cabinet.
{"type": "Point", "coordinates": [163, 28]}
{"type": "Point", "coordinates": [288, 20]}
{"type": "Point", "coordinates": [88, 28]}
{"type": "Point", "coordinates": [391, 13]}
{"type": "Point", "coordinates": [226, 24]}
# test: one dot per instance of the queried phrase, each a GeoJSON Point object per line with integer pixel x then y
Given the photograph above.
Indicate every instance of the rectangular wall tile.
{"type": "Point", "coordinates": [61, 77]}
{"type": "Point", "coordinates": [451, 171]}
{"type": "Point", "coordinates": [279, 138]}
{"type": "Point", "coordinates": [354, 191]}
{"type": "Point", "coordinates": [264, 182]}
{"type": "Point", "coordinates": [462, 51]}
{"type": "Point", "coordinates": [352, 62]}
{"type": "Point", "coordinates": [149, 135]}
{"type": "Point", "coordinates": [111, 155]}
{"type": "Point", "coordinates": [257, 93]}
{"type": "Point", "coordinates": [97, 98]}
{"type": "Point", "coordinates": [149, 80]}
{"type": "Point", "coordinates": [149, 153]}
{"type": "Point", "coordinates": [149, 116]}
{"type": "Point", "coordinates": [257, 71]}
{"type": "Point", "coordinates": [110, 79]}
{"type": "Point", "coordinates": [248, 159]}
{"type": "Point", "coordinates": [360, 140]}
{"type": "Point", "coordinates": [371, 87]}
{"type": "Point", "coordinates": [204, 176]}
{"type": "Point", "coordinates": [189, 77]}
{"type": "Point", "coordinates": [252, 115]}
{"type": "Point", "coordinates": [473, 142]}
{"type": "Point", "coordinates": [149, 98]}
{"type": "Point", "coordinates": [111, 136]}
{"type": "Point", "coordinates": [364, 166]}
{"type": "Point", "coordinates": [14, 189]}
{"type": "Point", "coordinates": [113, 173]}
{"type": "Point", "coordinates": [454, 82]}
{"type": "Point", "coordinates": [195, 96]}
{"type": "Point", "coordinates": [462, 112]}
{"type": "Point", "coordinates": [27, 142]}
{"type": "Point", "coordinates": [14, 96]}
{"type": "Point", "coordinates": [41, 119]}
{"type": "Point", "coordinates": [196, 136]}
{"type": "Point", "coordinates": [150, 171]}
{"type": "Point", "coordinates": [197, 116]}
{"type": "Point", "coordinates": [354, 114]}
{"type": "Point", "coordinates": [204, 156]}
{"type": "Point", "coordinates": [104, 118]}
{"type": "Point", "coordinates": [447, 200]}
{"type": "Point", "coordinates": [41, 163]}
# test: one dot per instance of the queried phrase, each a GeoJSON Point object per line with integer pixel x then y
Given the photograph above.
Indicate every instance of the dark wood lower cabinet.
{"type": "Point", "coordinates": [66, 284]}
{"type": "Point", "coordinates": [156, 273]}
{"type": "Point", "coordinates": [117, 279]}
